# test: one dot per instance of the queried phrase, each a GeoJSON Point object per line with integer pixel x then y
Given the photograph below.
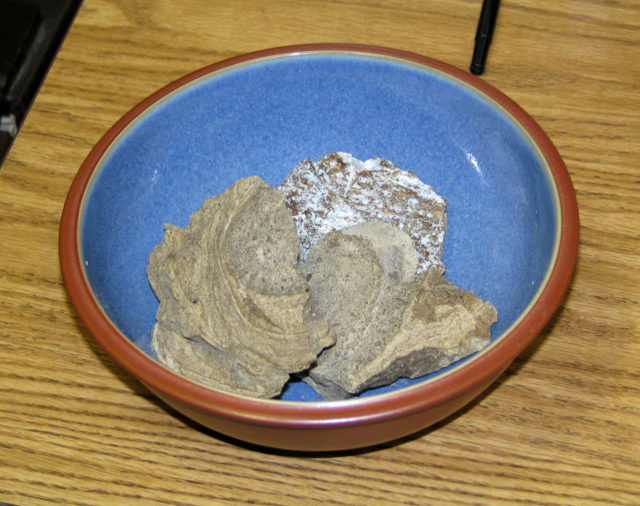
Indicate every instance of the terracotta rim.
{"type": "Point", "coordinates": [322, 414]}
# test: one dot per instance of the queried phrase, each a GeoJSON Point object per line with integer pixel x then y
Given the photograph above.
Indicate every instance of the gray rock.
{"type": "Point", "coordinates": [232, 300]}
{"type": "Point", "coordinates": [389, 322]}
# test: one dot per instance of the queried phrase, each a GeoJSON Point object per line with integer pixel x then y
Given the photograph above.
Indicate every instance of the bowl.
{"type": "Point", "coordinates": [512, 231]}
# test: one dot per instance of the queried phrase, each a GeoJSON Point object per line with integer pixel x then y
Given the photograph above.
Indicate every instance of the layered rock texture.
{"type": "Point", "coordinates": [232, 298]}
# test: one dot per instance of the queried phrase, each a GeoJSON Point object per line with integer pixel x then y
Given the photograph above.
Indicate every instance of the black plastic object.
{"type": "Point", "coordinates": [31, 32]}
{"type": "Point", "coordinates": [18, 25]}
{"type": "Point", "coordinates": [484, 34]}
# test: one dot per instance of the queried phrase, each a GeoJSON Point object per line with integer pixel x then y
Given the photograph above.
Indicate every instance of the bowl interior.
{"type": "Point", "coordinates": [264, 116]}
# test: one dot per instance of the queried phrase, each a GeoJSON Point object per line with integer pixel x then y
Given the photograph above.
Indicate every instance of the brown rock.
{"type": "Point", "coordinates": [339, 191]}
{"type": "Point", "coordinates": [232, 300]}
{"type": "Point", "coordinates": [389, 323]}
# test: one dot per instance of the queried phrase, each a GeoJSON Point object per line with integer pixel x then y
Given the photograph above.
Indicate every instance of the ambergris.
{"type": "Point", "coordinates": [389, 321]}
{"type": "Point", "coordinates": [232, 299]}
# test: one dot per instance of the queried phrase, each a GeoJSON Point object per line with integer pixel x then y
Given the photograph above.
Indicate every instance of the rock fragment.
{"type": "Point", "coordinates": [389, 322]}
{"type": "Point", "coordinates": [339, 191]}
{"type": "Point", "coordinates": [232, 300]}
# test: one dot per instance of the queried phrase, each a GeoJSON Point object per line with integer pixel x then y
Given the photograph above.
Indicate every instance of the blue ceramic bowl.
{"type": "Point", "coordinates": [512, 229]}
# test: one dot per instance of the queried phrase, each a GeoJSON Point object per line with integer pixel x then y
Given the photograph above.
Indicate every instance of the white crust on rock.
{"type": "Point", "coordinates": [339, 191]}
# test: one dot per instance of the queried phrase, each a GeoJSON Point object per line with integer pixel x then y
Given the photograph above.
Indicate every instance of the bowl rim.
{"type": "Point", "coordinates": [291, 414]}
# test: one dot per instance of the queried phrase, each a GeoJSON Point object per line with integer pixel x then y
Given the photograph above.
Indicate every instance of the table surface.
{"type": "Point", "coordinates": [561, 426]}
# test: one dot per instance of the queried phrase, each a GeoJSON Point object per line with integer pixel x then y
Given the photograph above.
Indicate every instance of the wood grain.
{"type": "Point", "coordinates": [561, 426]}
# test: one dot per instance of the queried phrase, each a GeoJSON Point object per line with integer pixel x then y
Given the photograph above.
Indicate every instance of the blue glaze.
{"type": "Point", "coordinates": [263, 118]}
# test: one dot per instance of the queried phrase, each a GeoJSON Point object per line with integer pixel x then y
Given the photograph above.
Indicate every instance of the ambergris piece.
{"type": "Point", "coordinates": [232, 299]}
{"type": "Point", "coordinates": [388, 324]}
{"type": "Point", "coordinates": [339, 191]}
{"type": "Point", "coordinates": [197, 360]}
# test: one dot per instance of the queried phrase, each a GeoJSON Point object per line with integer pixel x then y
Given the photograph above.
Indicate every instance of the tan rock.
{"type": "Point", "coordinates": [389, 322]}
{"type": "Point", "coordinates": [232, 300]}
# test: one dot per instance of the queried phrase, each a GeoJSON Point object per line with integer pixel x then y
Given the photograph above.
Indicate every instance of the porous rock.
{"type": "Point", "coordinates": [389, 322]}
{"type": "Point", "coordinates": [232, 300]}
{"type": "Point", "coordinates": [339, 191]}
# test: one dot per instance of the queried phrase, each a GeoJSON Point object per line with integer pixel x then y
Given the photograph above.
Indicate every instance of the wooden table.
{"type": "Point", "coordinates": [561, 426]}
